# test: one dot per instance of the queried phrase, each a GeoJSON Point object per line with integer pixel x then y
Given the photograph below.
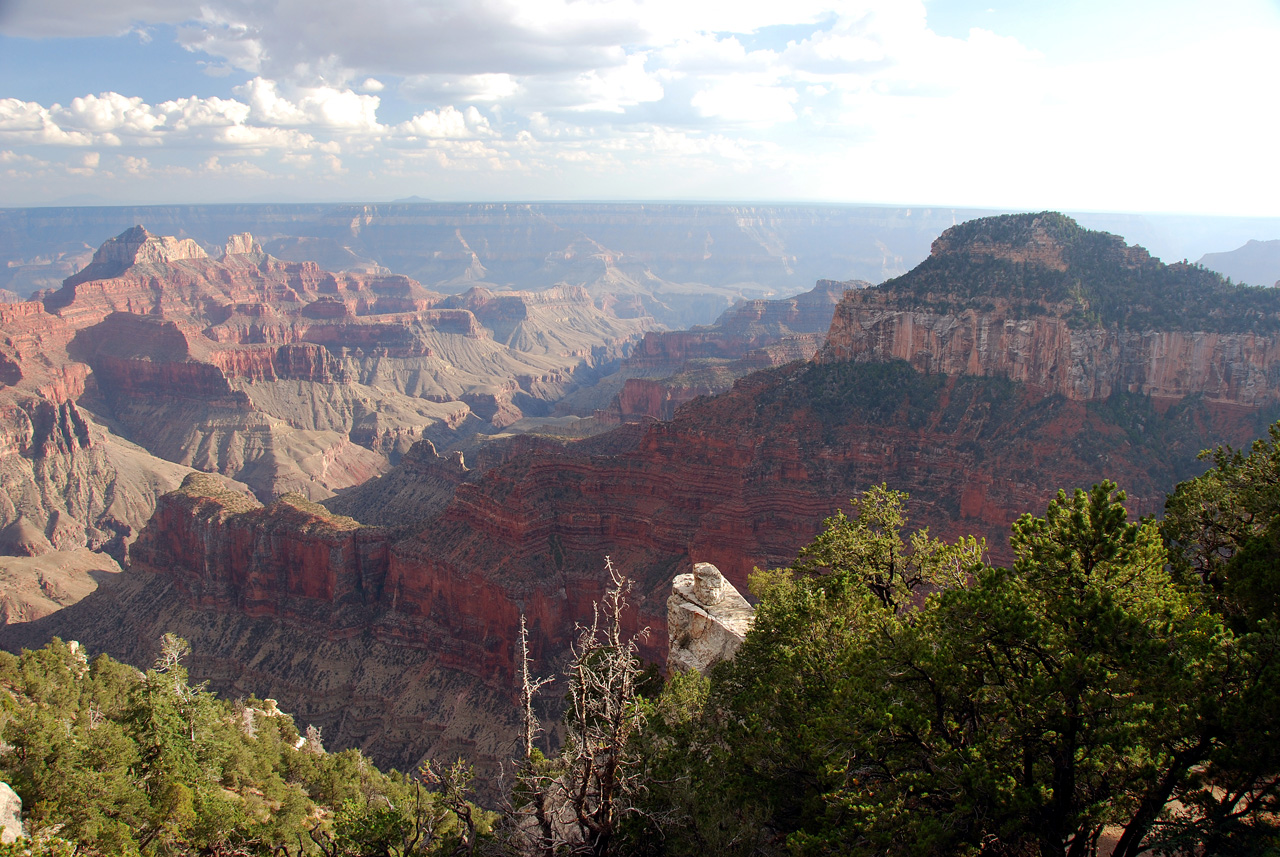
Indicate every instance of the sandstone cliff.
{"type": "Point", "coordinates": [1041, 301]}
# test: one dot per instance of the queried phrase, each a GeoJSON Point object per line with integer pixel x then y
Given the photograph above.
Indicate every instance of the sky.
{"type": "Point", "coordinates": [1084, 105]}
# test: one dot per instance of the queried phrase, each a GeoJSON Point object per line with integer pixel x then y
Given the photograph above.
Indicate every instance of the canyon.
{"type": "Point", "coordinates": [1026, 354]}
{"type": "Point", "coordinates": [275, 374]}
{"type": "Point", "coordinates": [682, 264]}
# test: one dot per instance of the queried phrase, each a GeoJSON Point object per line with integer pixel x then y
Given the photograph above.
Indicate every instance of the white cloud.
{"type": "Point", "coordinates": [189, 113]}
{"type": "Point", "coordinates": [859, 99]}
{"type": "Point", "coordinates": [109, 112]}
{"type": "Point", "coordinates": [462, 87]}
{"type": "Point", "coordinates": [317, 107]}
{"type": "Point", "coordinates": [743, 101]}
{"type": "Point", "coordinates": [446, 123]}
{"type": "Point", "coordinates": [26, 122]}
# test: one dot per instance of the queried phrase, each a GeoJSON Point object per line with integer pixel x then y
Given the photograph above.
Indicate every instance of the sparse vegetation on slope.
{"type": "Point", "coordinates": [116, 761]}
{"type": "Point", "coordinates": [1043, 261]}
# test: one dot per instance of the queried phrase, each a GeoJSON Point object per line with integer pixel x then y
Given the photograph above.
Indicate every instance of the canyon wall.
{"type": "Point", "coordinates": [668, 368]}
{"type": "Point", "coordinates": [277, 374]}
{"type": "Point", "coordinates": [967, 423]}
{"type": "Point", "coordinates": [1050, 354]}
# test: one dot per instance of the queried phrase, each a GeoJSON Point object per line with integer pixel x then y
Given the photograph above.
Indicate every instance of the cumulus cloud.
{"type": "Point", "coordinates": [447, 123]}
{"type": "Point", "coordinates": [459, 87]}
{"type": "Point", "coordinates": [319, 107]}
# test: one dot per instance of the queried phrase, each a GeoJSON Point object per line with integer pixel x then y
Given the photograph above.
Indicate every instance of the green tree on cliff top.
{"type": "Point", "coordinates": [1088, 691]}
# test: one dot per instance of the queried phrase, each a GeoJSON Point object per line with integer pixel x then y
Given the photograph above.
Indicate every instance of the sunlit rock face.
{"type": "Point", "coordinates": [1069, 312]}
{"type": "Point", "coordinates": [707, 619]}
{"type": "Point", "coordinates": [158, 358]}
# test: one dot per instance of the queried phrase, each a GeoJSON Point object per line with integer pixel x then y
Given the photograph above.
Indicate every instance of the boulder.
{"type": "Point", "coordinates": [10, 814]}
{"type": "Point", "coordinates": [707, 619]}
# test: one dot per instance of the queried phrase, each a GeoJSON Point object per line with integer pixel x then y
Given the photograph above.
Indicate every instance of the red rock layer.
{"type": "Point", "coordinates": [291, 560]}
{"type": "Point", "coordinates": [1050, 354]}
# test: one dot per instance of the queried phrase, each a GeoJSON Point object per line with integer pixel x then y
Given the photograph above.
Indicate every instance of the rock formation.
{"type": "Point", "coordinates": [707, 619]}
{"type": "Point", "coordinates": [10, 814]}
{"type": "Point", "coordinates": [669, 368]}
{"type": "Point", "coordinates": [738, 480]}
{"type": "Point", "coordinates": [158, 358]}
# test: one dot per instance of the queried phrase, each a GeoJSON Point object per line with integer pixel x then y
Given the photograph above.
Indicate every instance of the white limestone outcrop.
{"type": "Point", "coordinates": [707, 619]}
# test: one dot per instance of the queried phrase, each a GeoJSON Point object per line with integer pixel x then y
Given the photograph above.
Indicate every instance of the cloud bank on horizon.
{"type": "Point", "coordinates": [1106, 106]}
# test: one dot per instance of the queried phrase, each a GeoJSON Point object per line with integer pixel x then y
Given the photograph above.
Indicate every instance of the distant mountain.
{"type": "Point", "coordinates": [1256, 263]}
{"type": "Point", "coordinates": [681, 264]}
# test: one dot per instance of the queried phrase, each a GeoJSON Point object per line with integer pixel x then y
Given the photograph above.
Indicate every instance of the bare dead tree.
{"type": "Point", "coordinates": [453, 785]}
{"type": "Point", "coordinates": [529, 687]}
{"type": "Point", "coordinates": [534, 775]}
{"type": "Point", "coordinates": [578, 800]}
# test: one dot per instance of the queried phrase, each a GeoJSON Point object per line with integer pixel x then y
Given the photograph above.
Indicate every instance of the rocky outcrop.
{"type": "Point", "coordinates": [136, 246]}
{"type": "Point", "coordinates": [1037, 300]}
{"type": "Point", "coordinates": [10, 814]}
{"type": "Point", "coordinates": [707, 619]}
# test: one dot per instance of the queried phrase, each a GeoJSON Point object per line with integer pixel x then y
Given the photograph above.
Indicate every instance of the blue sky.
{"type": "Point", "coordinates": [1111, 106]}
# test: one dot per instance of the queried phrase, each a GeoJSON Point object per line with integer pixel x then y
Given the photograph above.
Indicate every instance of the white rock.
{"type": "Point", "coordinates": [10, 814]}
{"type": "Point", "coordinates": [707, 619]}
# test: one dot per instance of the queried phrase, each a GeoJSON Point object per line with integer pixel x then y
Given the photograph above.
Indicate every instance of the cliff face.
{"type": "Point", "coordinates": [675, 367]}
{"type": "Point", "coordinates": [1050, 311]}
{"type": "Point", "coordinates": [290, 560]}
{"type": "Point", "coordinates": [1048, 353]}
{"type": "Point", "coordinates": [67, 475]}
